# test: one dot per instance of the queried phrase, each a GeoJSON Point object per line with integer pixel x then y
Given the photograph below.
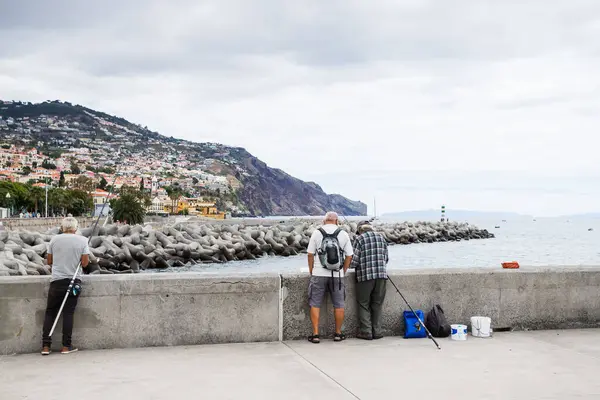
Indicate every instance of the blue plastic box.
{"type": "Point", "coordinates": [412, 326]}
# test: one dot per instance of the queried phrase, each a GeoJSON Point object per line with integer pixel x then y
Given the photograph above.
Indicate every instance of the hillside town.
{"type": "Point", "coordinates": [90, 151]}
{"type": "Point", "coordinates": [76, 151]}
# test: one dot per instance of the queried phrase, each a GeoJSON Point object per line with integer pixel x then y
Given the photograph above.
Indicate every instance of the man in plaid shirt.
{"type": "Point", "coordinates": [370, 261]}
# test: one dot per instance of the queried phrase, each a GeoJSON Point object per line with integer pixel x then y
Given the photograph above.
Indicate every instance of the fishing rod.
{"type": "Point", "coordinates": [429, 335]}
{"type": "Point", "coordinates": [112, 188]}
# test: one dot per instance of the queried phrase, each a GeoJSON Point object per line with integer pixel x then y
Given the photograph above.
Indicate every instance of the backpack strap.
{"type": "Point", "coordinates": [334, 234]}
{"type": "Point", "coordinates": [339, 280]}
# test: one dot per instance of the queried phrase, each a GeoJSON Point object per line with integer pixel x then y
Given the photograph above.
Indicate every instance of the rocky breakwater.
{"type": "Point", "coordinates": [129, 249]}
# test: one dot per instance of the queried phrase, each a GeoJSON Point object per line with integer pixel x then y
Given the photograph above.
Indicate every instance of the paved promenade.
{"type": "Point", "coordinates": [511, 366]}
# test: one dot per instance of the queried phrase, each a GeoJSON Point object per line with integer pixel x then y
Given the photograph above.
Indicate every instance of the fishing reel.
{"type": "Point", "coordinates": [75, 290]}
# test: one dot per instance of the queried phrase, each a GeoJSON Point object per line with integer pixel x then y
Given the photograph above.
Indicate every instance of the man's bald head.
{"type": "Point", "coordinates": [331, 218]}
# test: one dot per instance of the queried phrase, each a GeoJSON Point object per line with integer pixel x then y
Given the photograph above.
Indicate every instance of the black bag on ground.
{"type": "Point", "coordinates": [436, 322]}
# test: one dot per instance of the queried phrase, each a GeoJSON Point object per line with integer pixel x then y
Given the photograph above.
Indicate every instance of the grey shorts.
{"type": "Point", "coordinates": [319, 285]}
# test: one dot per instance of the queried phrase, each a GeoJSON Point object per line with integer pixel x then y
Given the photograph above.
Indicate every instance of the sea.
{"type": "Point", "coordinates": [541, 242]}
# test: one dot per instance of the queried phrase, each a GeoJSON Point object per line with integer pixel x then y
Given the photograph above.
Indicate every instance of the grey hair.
{"type": "Point", "coordinates": [331, 216]}
{"type": "Point", "coordinates": [365, 228]}
{"type": "Point", "coordinates": [69, 224]}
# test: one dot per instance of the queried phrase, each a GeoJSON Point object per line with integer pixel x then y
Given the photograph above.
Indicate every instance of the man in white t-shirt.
{"type": "Point", "coordinates": [65, 253]}
{"type": "Point", "coordinates": [323, 280]}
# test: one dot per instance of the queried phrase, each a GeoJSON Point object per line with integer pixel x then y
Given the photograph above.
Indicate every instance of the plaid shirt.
{"type": "Point", "coordinates": [370, 257]}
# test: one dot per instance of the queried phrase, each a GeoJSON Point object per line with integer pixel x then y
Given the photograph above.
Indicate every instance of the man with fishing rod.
{"type": "Point", "coordinates": [65, 253]}
{"type": "Point", "coordinates": [370, 262]}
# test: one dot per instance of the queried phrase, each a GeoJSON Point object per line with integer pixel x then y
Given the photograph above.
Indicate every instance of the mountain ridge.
{"type": "Point", "coordinates": [455, 214]}
{"type": "Point", "coordinates": [464, 213]}
{"type": "Point", "coordinates": [256, 188]}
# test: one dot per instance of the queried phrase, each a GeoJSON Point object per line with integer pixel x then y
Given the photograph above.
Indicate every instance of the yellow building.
{"type": "Point", "coordinates": [198, 207]}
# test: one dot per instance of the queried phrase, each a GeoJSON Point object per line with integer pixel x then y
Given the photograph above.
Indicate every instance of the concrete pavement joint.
{"type": "Point", "coordinates": [321, 371]}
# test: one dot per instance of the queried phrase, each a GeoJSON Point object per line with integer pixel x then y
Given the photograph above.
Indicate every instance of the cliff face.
{"type": "Point", "coordinates": [270, 191]}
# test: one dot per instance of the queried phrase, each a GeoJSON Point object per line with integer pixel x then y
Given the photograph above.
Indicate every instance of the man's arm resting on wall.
{"type": "Point", "coordinates": [356, 256]}
{"type": "Point", "coordinates": [85, 260]}
{"type": "Point", "coordinates": [347, 262]}
{"type": "Point", "coordinates": [49, 261]}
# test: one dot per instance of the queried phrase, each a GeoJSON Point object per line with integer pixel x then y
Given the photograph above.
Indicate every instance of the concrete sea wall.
{"type": "Point", "coordinates": [145, 310]}
{"type": "Point", "coordinates": [188, 308]}
{"type": "Point", "coordinates": [526, 299]}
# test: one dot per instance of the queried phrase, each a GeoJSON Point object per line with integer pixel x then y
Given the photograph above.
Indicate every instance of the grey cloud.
{"type": "Point", "coordinates": [533, 102]}
{"type": "Point", "coordinates": [129, 37]}
{"type": "Point", "coordinates": [40, 15]}
{"type": "Point", "coordinates": [394, 85]}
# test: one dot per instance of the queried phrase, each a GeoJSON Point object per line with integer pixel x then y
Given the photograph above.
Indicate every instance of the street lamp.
{"type": "Point", "coordinates": [46, 198]}
{"type": "Point", "coordinates": [9, 204]}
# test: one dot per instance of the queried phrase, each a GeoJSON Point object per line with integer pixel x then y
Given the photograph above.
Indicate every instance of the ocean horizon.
{"type": "Point", "coordinates": [537, 242]}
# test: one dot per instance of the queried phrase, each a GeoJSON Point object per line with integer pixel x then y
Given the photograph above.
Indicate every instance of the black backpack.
{"type": "Point", "coordinates": [436, 322]}
{"type": "Point", "coordinates": [330, 253]}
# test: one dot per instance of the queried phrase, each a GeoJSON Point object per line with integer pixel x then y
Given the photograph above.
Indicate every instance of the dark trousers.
{"type": "Point", "coordinates": [56, 294]}
{"type": "Point", "coordinates": [370, 296]}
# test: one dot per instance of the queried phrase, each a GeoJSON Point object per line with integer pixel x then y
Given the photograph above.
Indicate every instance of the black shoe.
{"type": "Point", "coordinates": [338, 337]}
{"type": "Point", "coordinates": [364, 336]}
{"type": "Point", "coordinates": [314, 339]}
{"type": "Point", "coordinates": [375, 337]}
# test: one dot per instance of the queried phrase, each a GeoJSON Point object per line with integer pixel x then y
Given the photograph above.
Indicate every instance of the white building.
{"type": "Point", "coordinates": [158, 205]}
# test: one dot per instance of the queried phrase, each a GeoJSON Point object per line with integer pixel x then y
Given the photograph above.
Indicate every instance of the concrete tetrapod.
{"type": "Point", "coordinates": [127, 249]}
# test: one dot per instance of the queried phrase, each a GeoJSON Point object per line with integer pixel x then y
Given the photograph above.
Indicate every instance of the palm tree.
{"type": "Point", "coordinates": [57, 199]}
{"type": "Point", "coordinates": [128, 208]}
{"type": "Point", "coordinates": [78, 202]}
{"type": "Point", "coordinates": [174, 195]}
{"type": "Point", "coordinates": [36, 194]}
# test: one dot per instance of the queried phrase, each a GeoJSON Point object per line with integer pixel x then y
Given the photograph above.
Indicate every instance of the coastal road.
{"type": "Point", "coordinates": [518, 365]}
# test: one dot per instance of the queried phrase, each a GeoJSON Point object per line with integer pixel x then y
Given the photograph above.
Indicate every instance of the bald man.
{"type": "Point", "coordinates": [323, 280]}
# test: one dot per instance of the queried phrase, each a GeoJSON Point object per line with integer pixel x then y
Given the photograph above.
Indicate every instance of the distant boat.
{"type": "Point", "coordinates": [497, 226]}
{"type": "Point", "coordinates": [590, 229]}
{"type": "Point", "coordinates": [503, 220]}
{"type": "Point", "coordinates": [374, 210]}
{"type": "Point", "coordinates": [534, 220]}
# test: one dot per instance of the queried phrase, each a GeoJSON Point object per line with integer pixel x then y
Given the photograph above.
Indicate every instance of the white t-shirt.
{"type": "Point", "coordinates": [315, 243]}
{"type": "Point", "coordinates": [66, 250]}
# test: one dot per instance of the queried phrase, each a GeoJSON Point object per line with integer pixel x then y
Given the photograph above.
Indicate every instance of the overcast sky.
{"type": "Point", "coordinates": [486, 105]}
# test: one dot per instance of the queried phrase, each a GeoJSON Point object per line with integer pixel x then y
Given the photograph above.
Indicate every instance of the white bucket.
{"type": "Point", "coordinates": [481, 327]}
{"type": "Point", "coordinates": [459, 332]}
